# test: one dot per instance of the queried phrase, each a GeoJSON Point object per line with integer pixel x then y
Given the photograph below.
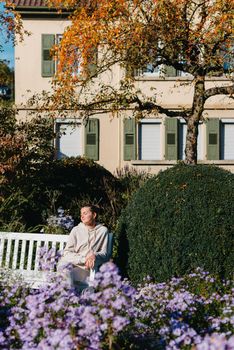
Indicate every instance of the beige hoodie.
{"type": "Point", "coordinates": [81, 241]}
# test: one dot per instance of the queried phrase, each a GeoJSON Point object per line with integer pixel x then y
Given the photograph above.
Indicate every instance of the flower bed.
{"type": "Point", "coordinates": [192, 312]}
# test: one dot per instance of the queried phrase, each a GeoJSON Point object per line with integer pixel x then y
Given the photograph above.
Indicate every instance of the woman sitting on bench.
{"type": "Point", "coordinates": [86, 248]}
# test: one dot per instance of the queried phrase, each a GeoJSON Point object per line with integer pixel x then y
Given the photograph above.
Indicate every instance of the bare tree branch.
{"type": "Point", "coordinates": [221, 90]}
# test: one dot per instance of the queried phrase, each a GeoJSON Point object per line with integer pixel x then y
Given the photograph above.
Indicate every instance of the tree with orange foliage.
{"type": "Point", "coordinates": [192, 36]}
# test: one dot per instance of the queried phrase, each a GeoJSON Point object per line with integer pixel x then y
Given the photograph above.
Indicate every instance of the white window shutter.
{"type": "Point", "coordinates": [149, 141]}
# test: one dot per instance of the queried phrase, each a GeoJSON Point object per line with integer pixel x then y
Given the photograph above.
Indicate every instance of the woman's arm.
{"type": "Point", "coordinates": [102, 253]}
{"type": "Point", "coordinates": [69, 254]}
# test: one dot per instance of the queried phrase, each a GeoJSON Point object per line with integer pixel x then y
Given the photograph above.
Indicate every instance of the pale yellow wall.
{"type": "Point", "coordinates": [175, 92]}
{"type": "Point", "coordinates": [28, 79]}
{"type": "Point", "coordinates": [109, 145]}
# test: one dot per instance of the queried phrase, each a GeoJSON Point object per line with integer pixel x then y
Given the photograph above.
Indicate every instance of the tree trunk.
{"type": "Point", "coordinates": [191, 141]}
{"type": "Point", "coordinates": [193, 121]}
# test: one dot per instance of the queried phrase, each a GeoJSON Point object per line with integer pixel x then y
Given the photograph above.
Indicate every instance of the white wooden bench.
{"type": "Point", "coordinates": [19, 253]}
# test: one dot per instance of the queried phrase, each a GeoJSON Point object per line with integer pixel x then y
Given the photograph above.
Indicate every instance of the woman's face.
{"type": "Point", "coordinates": [87, 217]}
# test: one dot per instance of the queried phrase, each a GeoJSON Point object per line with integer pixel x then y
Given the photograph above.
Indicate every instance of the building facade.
{"type": "Point", "coordinates": [151, 144]}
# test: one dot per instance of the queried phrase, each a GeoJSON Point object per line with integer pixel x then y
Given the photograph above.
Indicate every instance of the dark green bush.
{"type": "Point", "coordinates": [68, 183]}
{"type": "Point", "coordinates": [179, 220]}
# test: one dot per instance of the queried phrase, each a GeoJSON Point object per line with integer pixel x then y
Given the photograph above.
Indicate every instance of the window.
{"type": "Point", "coordinates": [149, 136]}
{"type": "Point", "coordinates": [220, 139]}
{"type": "Point", "coordinates": [180, 73]}
{"type": "Point", "coordinates": [69, 139]}
{"type": "Point", "coordinates": [150, 132]}
{"type": "Point", "coordinates": [74, 139]}
{"type": "Point", "coordinates": [49, 65]}
{"type": "Point", "coordinates": [149, 139]}
{"type": "Point", "coordinates": [150, 70]}
{"type": "Point", "coordinates": [227, 139]}
{"type": "Point", "coordinates": [160, 71]}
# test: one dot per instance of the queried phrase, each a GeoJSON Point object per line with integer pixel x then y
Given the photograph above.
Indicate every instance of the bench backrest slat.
{"type": "Point", "coordinates": [61, 246]}
{"type": "Point", "coordinates": [15, 254]}
{"type": "Point", "coordinates": [22, 254]}
{"type": "Point", "coordinates": [2, 242]}
{"type": "Point", "coordinates": [30, 255]}
{"type": "Point", "coordinates": [37, 255]}
{"type": "Point", "coordinates": [8, 253]}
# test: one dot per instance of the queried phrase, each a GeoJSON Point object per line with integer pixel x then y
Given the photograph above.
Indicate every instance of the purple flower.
{"type": "Point", "coordinates": [119, 323]}
{"type": "Point", "coordinates": [55, 317]}
{"type": "Point", "coordinates": [106, 314]}
{"type": "Point", "coordinates": [62, 220]}
{"type": "Point", "coordinates": [216, 341]}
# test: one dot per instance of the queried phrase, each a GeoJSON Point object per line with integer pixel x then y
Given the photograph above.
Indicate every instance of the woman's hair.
{"type": "Point", "coordinates": [93, 208]}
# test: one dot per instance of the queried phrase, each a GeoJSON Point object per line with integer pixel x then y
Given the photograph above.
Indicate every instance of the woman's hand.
{"type": "Point", "coordinates": [90, 260]}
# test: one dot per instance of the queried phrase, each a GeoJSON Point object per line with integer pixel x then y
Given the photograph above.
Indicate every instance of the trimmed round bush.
{"type": "Point", "coordinates": [179, 220]}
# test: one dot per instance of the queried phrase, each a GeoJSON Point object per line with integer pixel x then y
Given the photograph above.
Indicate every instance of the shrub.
{"type": "Point", "coordinates": [77, 181]}
{"type": "Point", "coordinates": [22, 146]}
{"type": "Point", "coordinates": [11, 210]}
{"type": "Point", "coordinates": [68, 183]}
{"type": "Point", "coordinates": [130, 179]}
{"type": "Point", "coordinates": [179, 220]}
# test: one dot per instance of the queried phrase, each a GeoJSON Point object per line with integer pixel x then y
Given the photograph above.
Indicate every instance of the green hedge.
{"type": "Point", "coordinates": [179, 220]}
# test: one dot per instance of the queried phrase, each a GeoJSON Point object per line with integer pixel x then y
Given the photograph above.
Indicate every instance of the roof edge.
{"type": "Point", "coordinates": [29, 10]}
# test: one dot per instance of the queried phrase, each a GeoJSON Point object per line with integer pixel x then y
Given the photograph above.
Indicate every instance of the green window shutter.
{"type": "Point", "coordinates": [92, 139]}
{"type": "Point", "coordinates": [48, 64]}
{"type": "Point", "coordinates": [212, 137]}
{"type": "Point", "coordinates": [171, 146]}
{"type": "Point", "coordinates": [129, 139]}
{"type": "Point", "coordinates": [170, 71]}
